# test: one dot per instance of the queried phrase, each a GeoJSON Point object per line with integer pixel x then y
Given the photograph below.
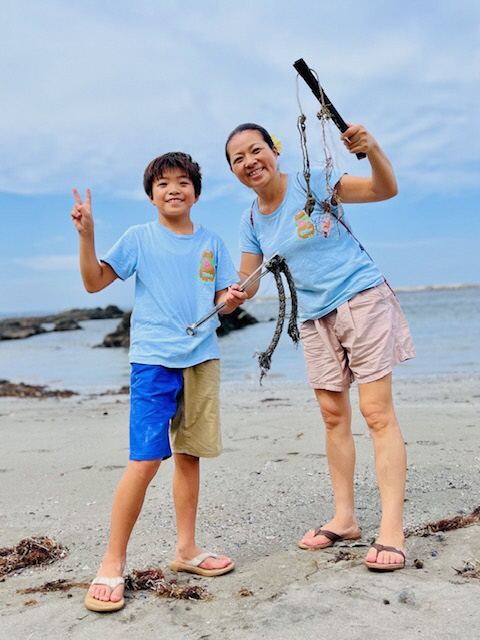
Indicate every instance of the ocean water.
{"type": "Point", "coordinates": [445, 323]}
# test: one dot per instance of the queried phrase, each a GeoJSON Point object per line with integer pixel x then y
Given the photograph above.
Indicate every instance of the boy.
{"type": "Point", "coordinates": [182, 270]}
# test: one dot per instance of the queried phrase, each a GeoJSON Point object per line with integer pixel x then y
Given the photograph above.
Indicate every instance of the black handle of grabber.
{"type": "Point", "coordinates": [317, 90]}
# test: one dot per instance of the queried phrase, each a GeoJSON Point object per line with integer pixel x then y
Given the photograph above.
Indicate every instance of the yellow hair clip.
{"type": "Point", "coordinates": [276, 143]}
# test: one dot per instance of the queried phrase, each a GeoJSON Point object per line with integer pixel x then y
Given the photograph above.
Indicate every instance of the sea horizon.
{"type": "Point", "coordinates": [4, 315]}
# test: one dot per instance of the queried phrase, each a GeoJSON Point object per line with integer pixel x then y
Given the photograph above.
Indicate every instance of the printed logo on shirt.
{"type": "Point", "coordinates": [207, 266]}
{"type": "Point", "coordinates": [305, 228]}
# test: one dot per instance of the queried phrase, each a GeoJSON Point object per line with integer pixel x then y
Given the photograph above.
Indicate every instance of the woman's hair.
{"type": "Point", "coordinates": [249, 126]}
{"type": "Point", "coordinates": [172, 160]}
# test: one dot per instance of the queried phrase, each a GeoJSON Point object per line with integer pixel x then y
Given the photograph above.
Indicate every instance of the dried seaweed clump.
{"type": "Point", "coordinates": [154, 580]}
{"type": "Point", "coordinates": [30, 552]}
{"type": "Point", "coordinates": [22, 390]}
{"type": "Point", "coordinates": [448, 524]}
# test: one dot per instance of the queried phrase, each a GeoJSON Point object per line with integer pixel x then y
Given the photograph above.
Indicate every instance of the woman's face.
{"type": "Point", "coordinates": [251, 159]}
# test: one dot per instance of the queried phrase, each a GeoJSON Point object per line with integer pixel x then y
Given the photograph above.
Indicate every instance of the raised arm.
{"type": "Point", "coordinates": [382, 184]}
{"type": "Point", "coordinates": [96, 275]}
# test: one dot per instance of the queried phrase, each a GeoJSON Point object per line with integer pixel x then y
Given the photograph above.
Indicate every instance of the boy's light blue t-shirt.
{"type": "Point", "coordinates": [176, 278]}
{"type": "Point", "coordinates": [329, 266]}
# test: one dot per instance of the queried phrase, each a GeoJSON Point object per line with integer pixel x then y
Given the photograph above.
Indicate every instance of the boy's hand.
{"type": "Point", "coordinates": [233, 298]}
{"type": "Point", "coordinates": [82, 213]}
{"type": "Point", "coordinates": [357, 139]}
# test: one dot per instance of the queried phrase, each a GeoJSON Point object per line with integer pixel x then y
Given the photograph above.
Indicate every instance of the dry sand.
{"type": "Point", "coordinates": [62, 458]}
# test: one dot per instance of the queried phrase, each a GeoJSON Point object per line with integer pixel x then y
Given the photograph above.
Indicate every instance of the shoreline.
{"type": "Point", "coordinates": [63, 458]}
{"type": "Point", "coordinates": [10, 389]}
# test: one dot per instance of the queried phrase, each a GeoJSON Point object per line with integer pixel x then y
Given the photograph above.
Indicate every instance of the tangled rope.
{"type": "Point", "coordinates": [326, 205]}
{"type": "Point", "coordinates": [277, 266]}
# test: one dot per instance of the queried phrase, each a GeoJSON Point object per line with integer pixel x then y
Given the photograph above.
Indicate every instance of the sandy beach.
{"type": "Point", "coordinates": [62, 458]}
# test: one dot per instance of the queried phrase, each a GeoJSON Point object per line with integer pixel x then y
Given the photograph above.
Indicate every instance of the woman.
{"type": "Point", "coordinates": [352, 327]}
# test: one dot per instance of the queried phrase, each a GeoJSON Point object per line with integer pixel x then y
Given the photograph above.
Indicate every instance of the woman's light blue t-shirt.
{"type": "Point", "coordinates": [329, 266]}
{"type": "Point", "coordinates": [176, 278]}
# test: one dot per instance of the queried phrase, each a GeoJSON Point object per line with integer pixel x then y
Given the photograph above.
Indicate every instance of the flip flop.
{"type": "Point", "coordinates": [92, 604]}
{"type": "Point", "coordinates": [381, 566]}
{"type": "Point", "coordinates": [332, 539]}
{"type": "Point", "coordinates": [193, 566]}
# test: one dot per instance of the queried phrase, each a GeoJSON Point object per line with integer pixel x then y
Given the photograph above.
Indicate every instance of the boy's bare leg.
{"type": "Point", "coordinates": [376, 404]}
{"type": "Point", "coordinates": [336, 412]}
{"type": "Point", "coordinates": [186, 488]}
{"type": "Point", "coordinates": [127, 504]}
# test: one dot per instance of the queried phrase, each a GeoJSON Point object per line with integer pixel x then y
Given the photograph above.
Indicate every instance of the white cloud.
{"type": "Point", "coordinates": [91, 92]}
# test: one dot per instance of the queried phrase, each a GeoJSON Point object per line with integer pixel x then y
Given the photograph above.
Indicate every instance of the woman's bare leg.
{"type": "Point", "coordinates": [336, 412]}
{"type": "Point", "coordinates": [376, 405]}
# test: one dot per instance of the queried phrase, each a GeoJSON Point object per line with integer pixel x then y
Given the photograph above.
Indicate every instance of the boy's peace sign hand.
{"type": "Point", "coordinates": [82, 213]}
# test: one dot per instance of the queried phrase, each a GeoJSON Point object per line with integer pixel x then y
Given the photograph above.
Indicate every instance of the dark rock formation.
{"type": "Point", "coordinates": [97, 313]}
{"type": "Point", "coordinates": [67, 324]}
{"type": "Point", "coordinates": [25, 327]}
{"type": "Point", "coordinates": [121, 336]}
{"type": "Point", "coordinates": [238, 319]}
{"type": "Point", "coordinates": [16, 329]}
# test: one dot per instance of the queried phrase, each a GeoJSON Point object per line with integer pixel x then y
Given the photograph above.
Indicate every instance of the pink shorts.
{"type": "Point", "coordinates": [360, 341]}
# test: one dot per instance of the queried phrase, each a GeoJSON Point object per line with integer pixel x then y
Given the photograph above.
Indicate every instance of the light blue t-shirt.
{"type": "Point", "coordinates": [329, 266]}
{"type": "Point", "coordinates": [176, 278]}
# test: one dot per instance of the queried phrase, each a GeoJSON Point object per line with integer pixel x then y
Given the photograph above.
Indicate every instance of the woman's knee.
{"type": "Point", "coordinates": [335, 410]}
{"type": "Point", "coordinates": [332, 419]}
{"type": "Point", "coordinates": [378, 418]}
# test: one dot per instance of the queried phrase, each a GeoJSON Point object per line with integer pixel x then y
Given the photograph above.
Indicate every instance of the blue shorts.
{"type": "Point", "coordinates": [153, 402]}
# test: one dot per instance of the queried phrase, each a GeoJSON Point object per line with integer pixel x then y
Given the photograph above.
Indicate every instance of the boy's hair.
{"type": "Point", "coordinates": [249, 126]}
{"type": "Point", "coordinates": [167, 162]}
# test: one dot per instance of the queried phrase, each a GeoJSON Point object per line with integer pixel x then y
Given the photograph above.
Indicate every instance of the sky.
{"type": "Point", "coordinates": [91, 91]}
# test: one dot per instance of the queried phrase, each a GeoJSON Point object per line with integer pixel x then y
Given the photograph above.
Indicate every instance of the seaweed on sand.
{"type": "Point", "coordinates": [447, 524]}
{"type": "Point", "coordinates": [55, 585]}
{"type": "Point", "coordinates": [30, 552]}
{"type": "Point", "coordinates": [147, 580]}
{"type": "Point", "coordinates": [22, 390]}
{"type": "Point", "coordinates": [154, 580]}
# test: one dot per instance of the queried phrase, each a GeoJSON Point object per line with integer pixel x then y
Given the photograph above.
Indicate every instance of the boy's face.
{"type": "Point", "coordinates": [173, 194]}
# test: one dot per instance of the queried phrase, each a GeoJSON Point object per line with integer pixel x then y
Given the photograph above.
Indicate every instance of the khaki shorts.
{"type": "Point", "coordinates": [195, 428]}
{"type": "Point", "coordinates": [360, 341]}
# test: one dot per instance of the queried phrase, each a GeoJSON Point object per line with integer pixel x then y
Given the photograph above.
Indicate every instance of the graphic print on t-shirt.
{"type": "Point", "coordinates": [207, 266]}
{"type": "Point", "coordinates": [305, 228]}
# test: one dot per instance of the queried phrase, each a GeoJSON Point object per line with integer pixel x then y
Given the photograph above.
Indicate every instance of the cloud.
{"type": "Point", "coordinates": [91, 92]}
